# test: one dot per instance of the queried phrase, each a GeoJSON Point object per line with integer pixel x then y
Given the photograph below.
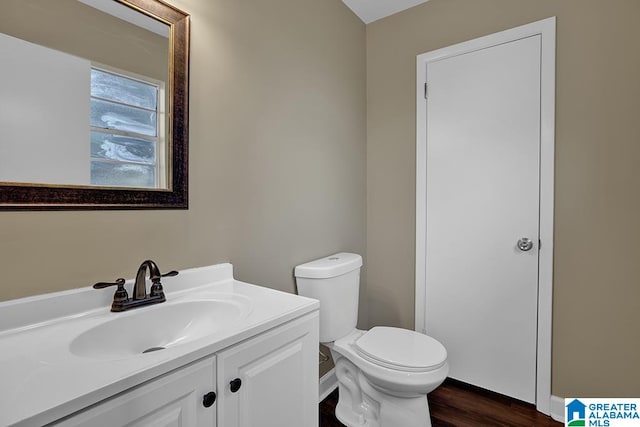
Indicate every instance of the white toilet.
{"type": "Point", "coordinates": [384, 374]}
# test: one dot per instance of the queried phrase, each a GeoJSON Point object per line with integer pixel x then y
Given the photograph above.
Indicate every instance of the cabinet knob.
{"type": "Point", "coordinates": [234, 385]}
{"type": "Point", "coordinates": [209, 399]}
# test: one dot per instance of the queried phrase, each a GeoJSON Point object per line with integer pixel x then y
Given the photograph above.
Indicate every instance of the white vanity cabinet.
{"type": "Point", "coordinates": [67, 360]}
{"type": "Point", "coordinates": [269, 380]}
{"type": "Point", "coordinates": [175, 399]}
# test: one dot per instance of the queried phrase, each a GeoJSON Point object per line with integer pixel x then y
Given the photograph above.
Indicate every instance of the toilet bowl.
{"type": "Point", "coordinates": [384, 374]}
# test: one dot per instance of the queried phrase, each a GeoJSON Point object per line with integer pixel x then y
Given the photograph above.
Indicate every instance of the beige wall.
{"type": "Point", "coordinates": [277, 160]}
{"type": "Point", "coordinates": [597, 258]}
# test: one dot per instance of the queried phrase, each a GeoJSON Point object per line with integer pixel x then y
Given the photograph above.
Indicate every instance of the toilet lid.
{"type": "Point", "coordinates": [401, 349]}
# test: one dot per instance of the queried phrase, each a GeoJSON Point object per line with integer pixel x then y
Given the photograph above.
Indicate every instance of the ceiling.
{"type": "Point", "coordinates": [372, 10]}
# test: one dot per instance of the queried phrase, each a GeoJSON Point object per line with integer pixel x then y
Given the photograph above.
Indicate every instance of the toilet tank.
{"type": "Point", "coordinates": [335, 282]}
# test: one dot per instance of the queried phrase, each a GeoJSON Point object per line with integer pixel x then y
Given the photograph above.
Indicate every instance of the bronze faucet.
{"type": "Point", "coordinates": [121, 300]}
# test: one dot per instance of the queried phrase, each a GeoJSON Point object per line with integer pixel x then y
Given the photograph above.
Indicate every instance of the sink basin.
{"type": "Point", "coordinates": [154, 328]}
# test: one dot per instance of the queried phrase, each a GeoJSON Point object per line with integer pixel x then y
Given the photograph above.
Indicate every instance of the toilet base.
{"type": "Point", "coordinates": [361, 404]}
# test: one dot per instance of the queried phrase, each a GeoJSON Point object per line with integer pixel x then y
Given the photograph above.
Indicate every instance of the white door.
{"type": "Point", "coordinates": [482, 213]}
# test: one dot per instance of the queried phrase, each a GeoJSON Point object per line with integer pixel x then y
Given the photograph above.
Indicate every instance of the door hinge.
{"type": "Point", "coordinates": [425, 90]}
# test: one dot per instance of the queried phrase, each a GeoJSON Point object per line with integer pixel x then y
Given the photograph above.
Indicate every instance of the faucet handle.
{"type": "Point", "coordinates": [169, 274]}
{"type": "Point", "coordinates": [119, 297]}
{"type": "Point", "coordinates": [156, 290]}
{"type": "Point", "coordinates": [101, 285]}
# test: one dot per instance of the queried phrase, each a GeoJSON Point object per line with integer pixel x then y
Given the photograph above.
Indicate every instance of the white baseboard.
{"type": "Point", "coordinates": [557, 408]}
{"type": "Point", "coordinates": [328, 383]}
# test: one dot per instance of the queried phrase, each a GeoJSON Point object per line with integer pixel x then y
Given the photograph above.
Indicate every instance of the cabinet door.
{"type": "Point", "coordinates": [175, 399]}
{"type": "Point", "coordinates": [278, 378]}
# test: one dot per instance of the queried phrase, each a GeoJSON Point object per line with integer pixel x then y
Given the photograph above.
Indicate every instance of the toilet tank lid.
{"type": "Point", "coordinates": [330, 266]}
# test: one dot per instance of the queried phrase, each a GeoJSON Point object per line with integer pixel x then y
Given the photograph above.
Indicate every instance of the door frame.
{"type": "Point", "coordinates": [546, 28]}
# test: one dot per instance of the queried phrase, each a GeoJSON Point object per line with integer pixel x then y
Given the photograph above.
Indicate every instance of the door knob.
{"type": "Point", "coordinates": [525, 244]}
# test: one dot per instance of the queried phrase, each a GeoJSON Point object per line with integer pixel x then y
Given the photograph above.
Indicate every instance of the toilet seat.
{"type": "Point", "coordinates": [401, 349]}
{"type": "Point", "coordinates": [396, 376]}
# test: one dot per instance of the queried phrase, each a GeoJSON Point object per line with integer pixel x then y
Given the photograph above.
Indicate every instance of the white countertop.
{"type": "Point", "coordinates": [42, 381]}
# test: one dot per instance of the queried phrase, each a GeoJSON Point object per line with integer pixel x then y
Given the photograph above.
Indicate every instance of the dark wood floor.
{"type": "Point", "coordinates": [455, 404]}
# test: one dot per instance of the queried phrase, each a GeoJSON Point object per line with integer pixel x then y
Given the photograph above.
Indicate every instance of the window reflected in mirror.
{"type": "Point", "coordinates": [127, 135]}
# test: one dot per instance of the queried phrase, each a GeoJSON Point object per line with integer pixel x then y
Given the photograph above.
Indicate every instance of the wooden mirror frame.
{"type": "Point", "coordinates": [17, 196]}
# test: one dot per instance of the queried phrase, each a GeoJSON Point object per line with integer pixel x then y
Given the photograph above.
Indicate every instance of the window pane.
{"type": "Point", "coordinates": [122, 89]}
{"type": "Point", "coordinates": [119, 174]}
{"type": "Point", "coordinates": [108, 115]}
{"type": "Point", "coordinates": [122, 148]}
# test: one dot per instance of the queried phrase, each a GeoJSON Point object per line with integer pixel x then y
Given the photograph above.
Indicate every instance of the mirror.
{"type": "Point", "coordinates": [94, 105]}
